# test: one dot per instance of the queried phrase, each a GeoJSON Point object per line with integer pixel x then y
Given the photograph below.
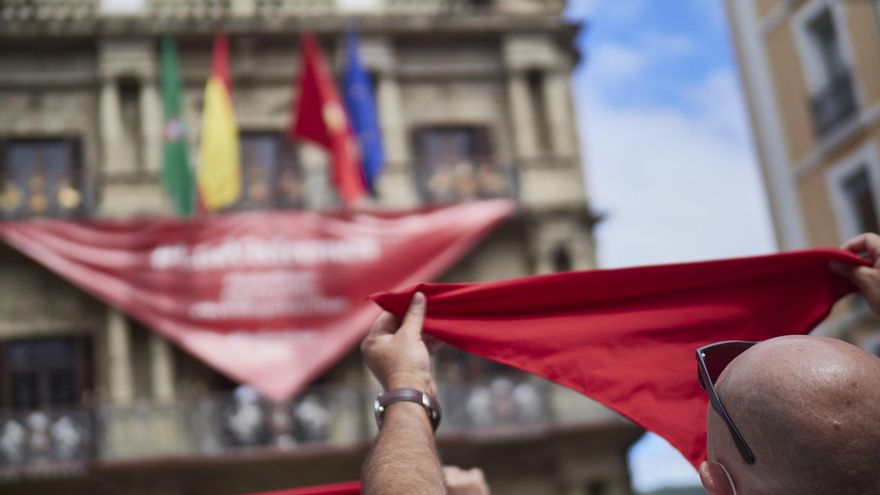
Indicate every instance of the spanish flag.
{"type": "Point", "coordinates": [219, 175]}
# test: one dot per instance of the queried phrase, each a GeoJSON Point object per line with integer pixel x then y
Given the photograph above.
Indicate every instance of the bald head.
{"type": "Point", "coordinates": [809, 408]}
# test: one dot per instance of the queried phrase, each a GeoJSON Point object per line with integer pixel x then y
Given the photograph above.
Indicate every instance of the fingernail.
{"type": "Point", "coordinates": [418, 298]}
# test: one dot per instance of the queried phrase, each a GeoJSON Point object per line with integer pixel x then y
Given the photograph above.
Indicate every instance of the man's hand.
{"type": "Point", "coordinates": [866, 278]}
{"type": "Point", "coordinates": [465, 482]}
{"type": "Point", "coordinates": [396, 353]}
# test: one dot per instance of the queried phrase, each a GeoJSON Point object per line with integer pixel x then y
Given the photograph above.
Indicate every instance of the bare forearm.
{"type": "Point", "coordinates": [404, 458]}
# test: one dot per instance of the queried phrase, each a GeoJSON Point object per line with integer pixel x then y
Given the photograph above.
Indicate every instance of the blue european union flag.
{"type": "Point", "coordinates": [358, 97]}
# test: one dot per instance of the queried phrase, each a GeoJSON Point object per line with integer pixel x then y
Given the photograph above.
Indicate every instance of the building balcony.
{"type": "Point", "coordinates": [74, 195]}
{"type": "Point", "coordinates": [67, 201]}
{"type": "Point", "coordinates": [21, 11]}
{"type": "Point", "coordinates": [466, 180]}
{"type": "Point", "coordinates": [41, 443]}
{"type": "Point", "coordinates": [834, 104]}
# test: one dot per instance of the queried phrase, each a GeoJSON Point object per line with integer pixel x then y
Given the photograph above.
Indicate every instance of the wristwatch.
{"type": "Point", "coordinates": [432, 407]}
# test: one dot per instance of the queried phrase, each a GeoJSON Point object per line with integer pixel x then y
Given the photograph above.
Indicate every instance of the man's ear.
{"type": "Point", "coordinates": [715, 480]}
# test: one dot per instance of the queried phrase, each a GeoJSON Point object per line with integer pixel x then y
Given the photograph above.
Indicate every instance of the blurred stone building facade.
{"type": "Point", "coordinates": [811, 74]}
{"type": "Point", "coordinates": [474, 102]}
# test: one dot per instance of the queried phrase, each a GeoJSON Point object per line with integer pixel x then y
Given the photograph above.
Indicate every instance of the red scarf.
{"type": "Point", "coordinates": [350, 488]}
{"type": "Point", "coordinates": [627, 337]}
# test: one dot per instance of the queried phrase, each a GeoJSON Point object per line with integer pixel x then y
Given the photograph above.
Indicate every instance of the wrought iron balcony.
{"type": "Point", "coordinates": [835, 103]}
{"type": "Point", "coordinates": [47, 442]}
{"type": "Point", "coordinates": [60, 201]}
{"type": "Point", "coordinates": [452, 182]}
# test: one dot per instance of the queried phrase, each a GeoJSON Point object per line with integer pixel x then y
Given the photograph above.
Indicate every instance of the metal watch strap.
{"type": "Point", "coordinates": [432, 407]}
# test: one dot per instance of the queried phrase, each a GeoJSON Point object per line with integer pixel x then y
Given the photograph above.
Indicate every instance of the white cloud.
{"type": "Point", "coordinates": [609, 10]}
{"type": "Point", "coordinates": [720, 99]}
{"type": "Point", "coordinates": [613, 63]}
{"type": "Point", "coordinates": [712, 11]}
{"type": "Point", "coordinates": [621, 11]}
{"type": "Point", "coordinates": [582, 8]}
{"type": "Point", "coordinates": [668, 44]}
{"type": "Point", "coordinates": [673, 188]}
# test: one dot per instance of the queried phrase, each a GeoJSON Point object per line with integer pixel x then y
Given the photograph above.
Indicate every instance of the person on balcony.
{"type": "Point", "coordinates": [792, 388]}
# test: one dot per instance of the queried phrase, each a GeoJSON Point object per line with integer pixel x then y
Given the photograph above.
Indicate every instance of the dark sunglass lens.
{"type": "Point", "coordinates": [717, 358]}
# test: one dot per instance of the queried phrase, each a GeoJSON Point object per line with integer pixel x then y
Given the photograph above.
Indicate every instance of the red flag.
{"type": "Point", "coordinates": [350, 488]}
{"type": "Point", "coordinates": [627, 338]}
{"type": "Point", "coordinates": [272, 298]}
{"type": "Point", "coordinates": [321, 118]}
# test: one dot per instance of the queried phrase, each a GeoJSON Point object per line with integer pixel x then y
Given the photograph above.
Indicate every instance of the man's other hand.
{"type": "Point", "coordinates": [465, 482]}
{"type": "Point", "coordinates": [396, 353]}
{"type": "Point", "coordinates": [866, 278]}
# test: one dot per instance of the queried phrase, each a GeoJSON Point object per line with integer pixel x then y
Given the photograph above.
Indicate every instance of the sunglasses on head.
{"type": "Point", "coordinates": [711, 361]}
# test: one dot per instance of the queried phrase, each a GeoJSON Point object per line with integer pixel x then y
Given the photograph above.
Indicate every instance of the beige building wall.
{"type": "Point", "coordinates": [805, 167]}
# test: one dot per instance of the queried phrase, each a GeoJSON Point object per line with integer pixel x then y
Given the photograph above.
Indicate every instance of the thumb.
{"type": "Point", "coordinates": [415, 317]}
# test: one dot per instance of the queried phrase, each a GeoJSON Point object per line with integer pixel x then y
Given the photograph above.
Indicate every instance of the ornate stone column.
{"type": "Point", "coordinates": [557, 104]}
{"type": "Point", "coordinates": [161, 369]}
{"type": "Point", "coordinates": [112, 158]}
{"type": "Point", "coordinates": [151, 124]}
{"type": "Point", "coordinates": [391, 122]}
{"type": "Point", "coordinates": [165, 437]}
{"type": "Point", "coordinates": [120, 379]}
{"type": "Point", "coordinates": [522, 115]}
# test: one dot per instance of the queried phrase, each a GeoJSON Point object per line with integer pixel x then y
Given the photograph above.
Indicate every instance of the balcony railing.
{"type": "Point", "coordinates": [56, 199]}
{"type": "Point", "coordinates": [41, 443]}
{"type": "Point", "coordinates": [835, 103]}
{"type": "Point", "coordinates": [79, 10]}
{"type": "Point", "coordinates": [442, 183]}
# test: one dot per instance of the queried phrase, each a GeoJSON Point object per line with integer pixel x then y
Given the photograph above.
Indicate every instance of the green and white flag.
{"type": "Point", "coordinates": [176, 174]}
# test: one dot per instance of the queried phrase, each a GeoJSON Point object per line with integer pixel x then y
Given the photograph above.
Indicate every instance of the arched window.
{"type": "Point", "coordinates": [270, 172]}
{"type": "Point", "coordinates": [562, 261]}
{"type": "Point", "coordinates": [40, 177]}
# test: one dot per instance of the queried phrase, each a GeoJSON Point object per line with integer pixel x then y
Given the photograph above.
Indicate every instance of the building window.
{"type": "Point", "coordinates": [824, 55]}
{"type": "Point", "coordinates": [40, 177]}
{"type": "Point", "coordinates": [271, 175]}
{"type": "Point", "coordinates": [854, 185]}
{"type": "Point", "coordinates": [457, 164]}
{"type": "Point", "coordinates": [44, 373]}
{"type": "Point", "coordinates": [562, 261]}
{"type": "Point", "coordinates": [861, 199]}
{"type": "Point", "coordinates": [130, 153]}
{"type": "Point", "coordinates": [40, 383]}
{"type": "Point", "coordinates": [826, 43]}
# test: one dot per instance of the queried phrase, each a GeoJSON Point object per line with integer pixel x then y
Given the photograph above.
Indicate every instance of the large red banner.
{"type": "Point", "coordinates": [270, 299]}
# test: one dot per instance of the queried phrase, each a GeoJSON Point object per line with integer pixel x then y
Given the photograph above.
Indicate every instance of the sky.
{"type": "Point", "coordinates": [668, 153]}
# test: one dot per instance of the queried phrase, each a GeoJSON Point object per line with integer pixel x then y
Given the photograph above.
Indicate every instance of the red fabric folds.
{"type": "Point", "coordinates": [627, 337]}
{"type": "Point", "coordinates": [350, 488]}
